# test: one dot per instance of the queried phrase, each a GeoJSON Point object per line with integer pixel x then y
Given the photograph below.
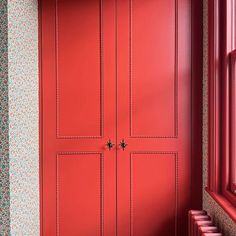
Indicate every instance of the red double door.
{"type": "Point", "coordinates": [117, 70]}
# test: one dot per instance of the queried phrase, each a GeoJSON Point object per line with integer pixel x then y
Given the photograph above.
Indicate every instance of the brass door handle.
{"type": "Point", "coordinates": [109, 144]}
{"type": "Point", "coordinates": [123, 144]}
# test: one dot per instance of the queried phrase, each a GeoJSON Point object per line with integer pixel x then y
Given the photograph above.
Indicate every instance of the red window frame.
{"type": "Point", "coordinates": [232, 92]}
{"type": "Point", "coordinates": [232, 155]}
{"type": "Point", "coordinates": [221, 68]}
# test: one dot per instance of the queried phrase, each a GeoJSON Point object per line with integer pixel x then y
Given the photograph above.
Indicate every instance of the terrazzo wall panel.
{"type": "Point", "coordinates": [4, 145]}
{"type": "Point", "coordinates": [23, 116]}
{"type": "Point", "coordinates": [227, 226]}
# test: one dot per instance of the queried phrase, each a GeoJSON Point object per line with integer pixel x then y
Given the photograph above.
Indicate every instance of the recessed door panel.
{"type": "Point", "coordinates": [153, 79]}
{"type": "Point", "coordinates": [79, 67]}
{"type": "Point", "coordinates": [80, 194]}
{"type": "Point", "coordinates": [151, 191]}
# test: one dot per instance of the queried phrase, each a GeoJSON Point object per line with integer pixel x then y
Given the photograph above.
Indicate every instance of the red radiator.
{"type": "Point", "coordinates": [200, 224]}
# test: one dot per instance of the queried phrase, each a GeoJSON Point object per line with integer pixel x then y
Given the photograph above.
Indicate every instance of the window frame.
{"type": "Point", "coordinates": [227, 59]}
{"type": "Point", "coordinates": [220, 60]}
{"type": "Point", "coordinates": [232, 122]}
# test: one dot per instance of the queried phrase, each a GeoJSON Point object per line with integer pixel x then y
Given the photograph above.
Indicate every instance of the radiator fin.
{"type": "Point", "coordinates": [200, 224]}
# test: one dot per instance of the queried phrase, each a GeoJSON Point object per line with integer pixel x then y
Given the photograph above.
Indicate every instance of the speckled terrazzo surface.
{"type": "Point", "coordinates": [222, 220]}
{"type": "Point", "coordinates": [23, 116]}
{"type": "Point", "coordinates": [4, 147]}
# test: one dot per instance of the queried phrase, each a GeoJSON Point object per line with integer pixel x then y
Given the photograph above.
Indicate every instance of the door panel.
{"type": "Point", "coordinates": [151, 191]}
{"type": "Point", "coordinates": [76, 170]}
{"type": "Point", "coordinates": [78, 117]}
{"type": "Point", "coordinates": [75, 58]}
{"type": "Point", "coordinates": [154, 113]}
{"type": "Point", "coordinates": [152, 55]}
